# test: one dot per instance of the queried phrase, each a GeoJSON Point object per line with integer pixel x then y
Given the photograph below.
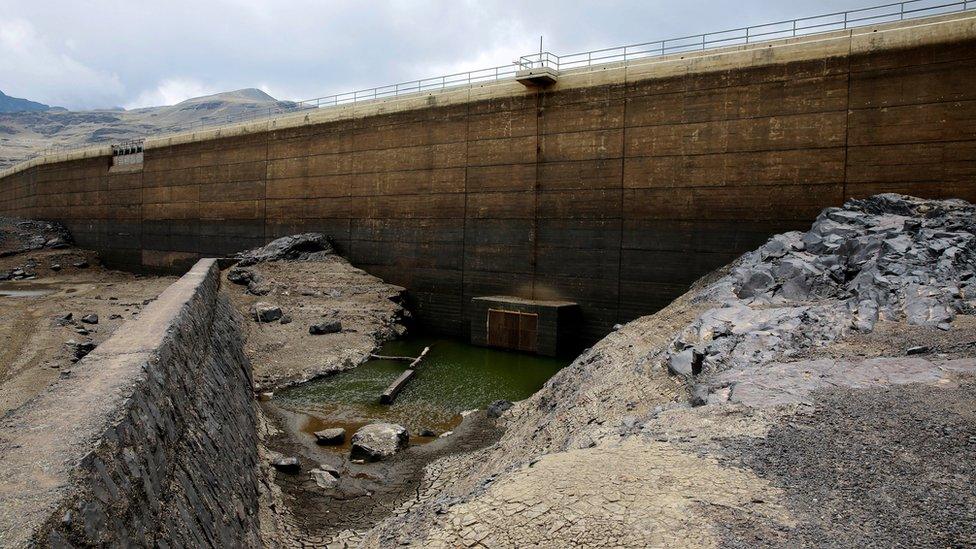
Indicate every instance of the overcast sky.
{"type": "Point", "coordinates": [134, 53]}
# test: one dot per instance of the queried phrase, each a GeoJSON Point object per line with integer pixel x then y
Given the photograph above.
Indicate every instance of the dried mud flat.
{"type": "Point", "coordinates": [35, 341]}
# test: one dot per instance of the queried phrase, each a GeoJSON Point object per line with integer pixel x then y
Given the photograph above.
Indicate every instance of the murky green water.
{"type": "Point", "coordinates": [453, 377]}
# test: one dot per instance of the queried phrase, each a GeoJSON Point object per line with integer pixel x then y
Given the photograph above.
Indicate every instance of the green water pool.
{"type": "Point", "coordinates": [454, 376]}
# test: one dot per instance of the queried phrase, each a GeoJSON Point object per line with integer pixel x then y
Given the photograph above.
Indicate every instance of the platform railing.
{"type": "Point", "coordinates": [804, 26]}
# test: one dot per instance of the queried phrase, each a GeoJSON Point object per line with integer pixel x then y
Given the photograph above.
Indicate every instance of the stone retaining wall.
{"type": "Point", "coordinates": [151, 441]}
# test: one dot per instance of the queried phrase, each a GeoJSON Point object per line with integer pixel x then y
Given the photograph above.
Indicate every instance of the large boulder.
{"type": "Point", "coordinates": [378, 441]}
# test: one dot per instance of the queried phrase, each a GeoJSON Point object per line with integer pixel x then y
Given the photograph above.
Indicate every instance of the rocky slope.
{"type": "Point", "coordinates": [819, 391]}
{"type": "Point", "coordinates": [23, 133]}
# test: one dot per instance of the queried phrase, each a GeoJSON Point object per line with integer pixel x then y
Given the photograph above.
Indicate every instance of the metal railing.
{"type": "Point", "coordinates": [803, 26]}
{"type": "Point", "coordinates": [842, 20]}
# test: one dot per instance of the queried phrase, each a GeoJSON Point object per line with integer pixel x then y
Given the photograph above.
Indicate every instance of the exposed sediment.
{"type": "Point", "coordinates": [311, 285]}
{"type": "Point", "coordinates": [48, 288]}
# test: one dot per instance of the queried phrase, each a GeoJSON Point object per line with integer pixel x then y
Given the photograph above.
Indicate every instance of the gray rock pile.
{"type": "Point", "coordinates": [299, 247]}
{"type": "Point", "coordinates": [25, 235]}
{"type": "Point", "coordinates": [303, 246]}
{"type": "Point", "coordinates": [887, 257]}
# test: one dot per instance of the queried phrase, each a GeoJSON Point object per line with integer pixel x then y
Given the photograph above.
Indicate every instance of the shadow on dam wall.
{"type": "Point", "coordinates": [614, 188]}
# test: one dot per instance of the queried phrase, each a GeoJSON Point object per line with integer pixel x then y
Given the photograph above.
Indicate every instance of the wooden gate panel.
{"type": "Point", "coordinates": [513, 330]}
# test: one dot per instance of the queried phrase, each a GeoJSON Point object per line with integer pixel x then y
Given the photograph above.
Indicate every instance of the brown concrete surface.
{"type": "Point", "coordinates": [615, 188]}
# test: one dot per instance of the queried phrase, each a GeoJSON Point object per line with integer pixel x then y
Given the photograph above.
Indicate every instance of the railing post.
{"type": "Point", "coordinates": [845, 19]}
{"type": "Point", "coordinates": [747, 35]}
{"type": "Point", "coordinates": [902, 11]}
{"type": "Point", "coordinates": [794, 28]}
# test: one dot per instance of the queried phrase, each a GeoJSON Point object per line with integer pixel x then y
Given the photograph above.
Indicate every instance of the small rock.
{"type": "Point", "coordinates": [699, 395]}
{"type": "Point", "coordinates": [285, 319]}
{"type": "Point", "coordinates": [80, 350]}
{"type": "Point", "coordinates": [90, 319]}
{"type": "Point", "coordinates": [378, 441]}
{"type": "Point", "coordinates": [64, 319]}
{"type": "Point", "coordinates": [327, 327]}
{"type": "Point", "coordinates": [324, 478]}
{"type": "Point", "coordinates": [114, 317]}
{"type": "Point", "coordinates": [265, 396]}
{"type": "Point", "coordinates": [81, 264]}
{"type": "Point", "coordinates": [286, 464]}
{"type": "Point", "coordinates": [918, 350]}
{"type": "Point", "coordinates": [686, 363]}
{"type": "Point", "coordinates": [56, 243]}
{"type": "Point", "coordinates": [497, 408]}
{"type": "Point", "coordinates": [429, 433]}
{"type": "Point", "coordinates": [446, 434]}
{"type": "Point", "coordinates": [55, 267]}
{"type": "Point", "coordinates": [330, 437]}
{"type": "Point", "coordinates": [240, 276]}
{"type": "Point", "coordinates": [265, 312]}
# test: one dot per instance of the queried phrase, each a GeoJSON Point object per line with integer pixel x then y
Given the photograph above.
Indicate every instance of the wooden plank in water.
{"type": "Point", "coordinates": [391, 392]}
{"type": "Point", "coordinates": [416, 361]}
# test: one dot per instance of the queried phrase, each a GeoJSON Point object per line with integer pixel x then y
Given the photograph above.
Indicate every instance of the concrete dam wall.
{"type": "Point", "coordinates": [150, 442]}
{"type": "Point", "coordinates": [614, 188]}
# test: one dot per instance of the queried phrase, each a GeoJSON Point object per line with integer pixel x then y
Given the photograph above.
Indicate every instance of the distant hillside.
{"type": "Point", "coordinates": [16, 104]}
{"type": "Point", "coordinates": [22, 133]}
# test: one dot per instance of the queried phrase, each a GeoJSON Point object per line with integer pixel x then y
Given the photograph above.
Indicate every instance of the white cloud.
{"type": "Point", "coordinates": [32, 67]}
{"type": "Point", "coordinates": [102, 53]}
{"type": "Point", "coordinates": [170, 92]}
